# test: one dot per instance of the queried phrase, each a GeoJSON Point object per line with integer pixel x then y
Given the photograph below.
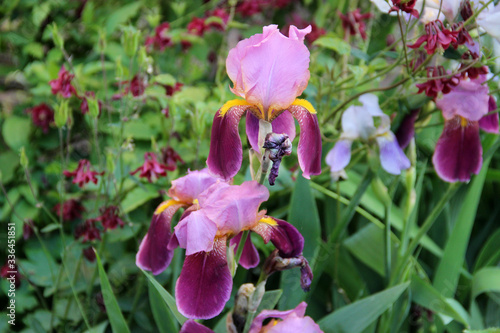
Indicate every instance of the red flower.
{"type": "Point", "coordinates": [71, 210]}
{"type": "Point", "coordinates": [438, 82]}
{"type": "Point", "coordinates": [353, 22]}
{"type": "Point", "coordinates": [109, 218]}
{"type": "Point", "coordinates": [436, 37]}
{"type": "Point", "coordinates": [82, 174]}
{"type": "Point", "coordinates": [28, 230]}
{"type": "Point", "coordinates": [11, 273]}
{"type": "Point", "coordinates": [222, 14]}
{"type": "Point", "coordinates": [405, 6]}
{"type": "Point", "coordinates": [160, 40]}
{"type": "Point", "coordinates": [42, 116]}
{"type": "Point", "coordinates": [472, 72]}
{"type": "Point", "coordinates": [463, 35]}
{"type": "Point", "coordinates": [197, 26]}
{"type": "Point", "coordinates": [248, 8]}
{"type": "Point", "coordinates": [170, 90]}
{"type": "Point", "coordinates": [84, 106]}
{"type": "Point", "coordinates": [88, 231]}
{"type": "Point", "coordinates": [63, 84]}
{"type": "Point", "coordinates": [137, 86]}
{"type": "Point", "coordinates": [89, 253]}
{"type": "Point", "coordinates": [299, 22]}
{"type": "Point", "coordinates": [151, 168]}
{"type": "Point", "coordinates": [170, 157]}
{"type": "Point", "coordinates": [466, 11]}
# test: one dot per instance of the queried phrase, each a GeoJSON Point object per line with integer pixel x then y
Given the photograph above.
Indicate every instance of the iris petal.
{"type": "Point", "coordinates": [250, 256]}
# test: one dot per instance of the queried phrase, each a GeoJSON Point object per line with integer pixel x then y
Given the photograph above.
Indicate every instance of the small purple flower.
{"type": "Point", "coordinates": [458, 152]}
{"type": "Point", "coordinates": [358, 123]}
{"type": "Point", "coordinates": [269, 71]}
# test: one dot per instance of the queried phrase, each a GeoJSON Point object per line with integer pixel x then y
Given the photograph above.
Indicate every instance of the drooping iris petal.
{"type": "Point", "coordinates": [271, 70]}
{"type": "Point", "coordinates": [252, 129]}
{"type": "Point", "coordinates": [406, 130]}
{"type": "Point", "coordinates": [309, 149]}
{"type": "Point", "coordinates": [205, 283]}
{"type": "Point", "coordinates": [340, 155]}
{"type": "Point", "coordinates": [392, 157]}
{"type": "Point", "coordinates": [196, 233]}
{"type": "Point", "coordinates": [188, 188]}
{"type": "Point", "coordinates": [235, 208]}
{"type": "Point", "coordinates": [282, 234]}
{"type": "Point", "coordinates": [153, 254]}
{"type": "Point", "coordinates": [458, 152]}
{"type": "Point", "coordinates": [191, 326]}
{"type": "Point", "coordinates": [469, 99]}
{"type": "Point", "coordinates": [250, 256]}
{"type": "Point", "coordinates": [489, 123]}
{"type": "Point", "coordinates": [226, 153]}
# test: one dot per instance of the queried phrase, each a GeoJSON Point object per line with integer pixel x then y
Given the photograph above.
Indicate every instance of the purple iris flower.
{"type": "Point", "coordinates": [458, 152]}
{"type": "Point", "coordinates": [217, 213]}
{"type": "Point", "coordinates": [358, 123]}
{"type": "Point", "coordinates": [281, 322]}
{"type": "Point", "coordinates": [269, 71]}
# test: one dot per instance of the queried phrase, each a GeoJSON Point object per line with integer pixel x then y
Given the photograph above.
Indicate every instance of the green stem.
{"type": "Point", "coordinates": [387, 241]}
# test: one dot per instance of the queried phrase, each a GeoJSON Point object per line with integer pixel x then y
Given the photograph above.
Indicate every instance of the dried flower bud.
{"type": "Point", "coordinates": [278, 145]}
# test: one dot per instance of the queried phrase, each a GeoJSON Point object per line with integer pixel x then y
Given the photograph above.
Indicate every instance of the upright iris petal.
{"type": "Point", "coordinates": [269, 71]}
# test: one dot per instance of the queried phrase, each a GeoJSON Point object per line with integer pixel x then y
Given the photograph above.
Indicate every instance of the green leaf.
{"type": "Point", "coordinates": [448, 271]}
{"type": "Point", "coordinates": [50, 227]}
{"type": "Point", "coordinates": [8, 163]}
{"type": "Point", "coordinates": [424, 294]}
{"type": "Point", "coordinates": [334, 43]}
{"type": "Point", "coordinates": [115, 315]}
{"type": "Point", "coordinates": [269, 300]}
{"type": "Point", "coordinates": [486, 280]}
{"type": "Point", "coordinates": [137, 197]}
{"type": "Point", "coordinates": [488, 330]}
{"type": "Point", "coordinates": [169, 299]}
{"type": "Point", "coordinates": [164, 320]}
{"type": "Point", "coordinates": [357, 316]}
{"type": "Point", "coordinates": [16, 132]}
{"type": "Point", "coordinates": [165, 79]}
{"type": "Point", "coordinates": [490, 253]}
{"type": "Point", "coordinates": [122, 15]}
{"type": "Point", "coordinates": [303, 214]}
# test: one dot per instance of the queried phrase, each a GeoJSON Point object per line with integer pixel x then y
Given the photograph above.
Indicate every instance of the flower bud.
{"type": "Point", "coordinates": [56, 36]}
{"type": "Point", "coordinates": [120, 70]}
{"type": "Point", "coordinates": [380, 191]}
{"type": "Point", "coordinates": [277, 145]}
{"type": "Point", "coordinates": [130, 40]}
{"type": "Point", "coordinates": [61, 114]}
{"type": "Point", "coordinates": [93, 104]}
{"type": "Point", "coordinates": [23, 159]}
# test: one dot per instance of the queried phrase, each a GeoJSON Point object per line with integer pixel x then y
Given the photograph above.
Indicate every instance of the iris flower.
{"type": "Point", "coordinates": [269, 71]}
{"type": "Point", "coordinates": [216, 213]}
{"type": "Point", "coordinates": [358, 123]}
{"type": "Point", "coordinates": [458, 152]}
{"type": "Point", "coordinates": [281, 322]}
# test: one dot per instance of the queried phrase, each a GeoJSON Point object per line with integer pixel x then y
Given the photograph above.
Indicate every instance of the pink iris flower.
{"type": "Point", "coordinates": [281, 322]}
{"type": "Point", "coordinates": [216, 212]}
{"type": "Point", "coordinates": [358, 123]}
{"type": "Point", "coordinates": [458, 152]}
{"type": "Point", "coordinates": [269, 71]}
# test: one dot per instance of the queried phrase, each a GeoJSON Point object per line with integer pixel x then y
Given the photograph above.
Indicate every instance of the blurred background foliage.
{"type": "Point", "coordinates": [448, 281]}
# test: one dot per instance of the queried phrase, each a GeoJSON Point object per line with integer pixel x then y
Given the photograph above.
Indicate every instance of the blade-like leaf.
{"type": "Point", "coordinates": [169, 299]}
{"type": "Point", "coordinates": [485, 280]}
{"type": "Point", "coordinates": [165, 323]}
{"type": "Point", "coordinates": [115, 315]}
{"type": "Point", "coordinates": [357, 316]}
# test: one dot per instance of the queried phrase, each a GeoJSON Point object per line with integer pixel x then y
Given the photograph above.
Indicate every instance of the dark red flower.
{"type": "Point", "coordinates": [84, 106]}
{"type": "Point", "coordinates": [436, 37]}
{"type": "Point", "coordinates": [28, 229]}
{"type": "Point", "coordinates": [89, 253]}
{"type": "Point", "coordinates": [466, 10]}
{"type": "Point", "coordinates": [170, 90]}
{"type": "Point", "coordinates": [10, 273]}
{"type": "Point", "coordinates": [161, 39]}
{"type": "Point", "coordinates": [136, 86]}
{"type": "Point", "coordinates": [222, 14]}
{"type": "Point", "coordinates": [463, 35]}
{"type": "Point", "coordinates": [249, 8]}
{"type": "Point", "coordinates": [471, 71]}
{"type": "Point", "coordinates": [169, 157]}
{"type": "Point", "coordinates": [439, 81]}
{"type": "Point", "coordinates": [110, 218]}
{"type": "Point", "coordinates": [71, 210]}
{"type": "Point", "coordinates": [197, 26]}
{"type": "Point", "coordinates": [42, 116]}
{"type": "Point", "coordinates": [165, 112]}
{"type": "Point", "coordinates": [405, 6]}
{"type": "Point", "coordinates": [88, 231]}
{"type": "Point", "coordinates": [63, 84]}
{"type": "Point", "coordinates": [152, 169]}
{"type": "Point", "coordinates": [354, 22]}
{"type": "Point", "coordinates": [82, 174]}
{"type": "Point", "coordinates": [185, 45]}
